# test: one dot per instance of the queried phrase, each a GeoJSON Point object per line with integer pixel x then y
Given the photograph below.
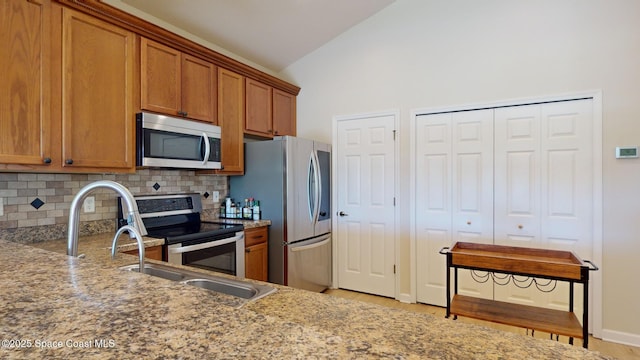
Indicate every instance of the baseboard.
{"type": "Point", "coordinates": [405, 298]}
{"type": "Point", "coordinates": [621, 337]}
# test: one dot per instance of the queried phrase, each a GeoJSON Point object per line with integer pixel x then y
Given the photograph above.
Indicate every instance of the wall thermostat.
{"type": "Point", "coordinates": [626, 152]}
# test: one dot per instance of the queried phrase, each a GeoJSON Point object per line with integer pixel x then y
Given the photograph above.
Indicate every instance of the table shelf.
{"type": "Point", "coordinates": [549, 264]}
{"type": "Point", "coordinates": [530, 317]}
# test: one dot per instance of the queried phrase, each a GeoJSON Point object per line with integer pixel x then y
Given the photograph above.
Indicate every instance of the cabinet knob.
{"type": "Point", "coordinates": [68, 161]}
{"type": "Point", "coordinates": [468, 222]}
{"type": "Point", "coordinates": [520, 226]}
{"type": "Point", "coordinates": [247, 250]}
{"type": "Point", "coordinates": [46, 160]}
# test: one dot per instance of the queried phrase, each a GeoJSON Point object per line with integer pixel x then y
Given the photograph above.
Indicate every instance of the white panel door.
{"type": "Point", "coordinates": [517, 176]}
{"type": "Point", "coordinates": [433, 211]}
{"type": "Point", "coordinates": [454, 196]}
{"type": "Point", "coordinates": [365, 156]}
{"type": "Point", "coordinates": [544, 190]}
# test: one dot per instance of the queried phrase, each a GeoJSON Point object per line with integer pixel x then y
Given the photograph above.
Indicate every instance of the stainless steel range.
{"type": "Point", "coordinates": [188, 240]}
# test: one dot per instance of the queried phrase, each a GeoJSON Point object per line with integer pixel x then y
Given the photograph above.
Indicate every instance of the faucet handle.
{"type": "Point", "coordinates": [134, 220]}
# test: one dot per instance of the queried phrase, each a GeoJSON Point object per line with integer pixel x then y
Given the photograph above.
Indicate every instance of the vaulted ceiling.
{"type": "Point", "coordinates": [271, 33]}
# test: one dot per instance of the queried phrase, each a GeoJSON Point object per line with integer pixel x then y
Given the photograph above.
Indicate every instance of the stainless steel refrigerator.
{"type": "Point", "coordinates": [291, 178]}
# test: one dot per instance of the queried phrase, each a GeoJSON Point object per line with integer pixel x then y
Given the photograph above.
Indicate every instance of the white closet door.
{"type": "Point", "coordinates": [517, 176]}
{"type": "Point", "coordinates": [433, 205]}
{"type": "Point", "coordinates": [543, 193]}
{"type": "Point", "coordinates": [454, 196]}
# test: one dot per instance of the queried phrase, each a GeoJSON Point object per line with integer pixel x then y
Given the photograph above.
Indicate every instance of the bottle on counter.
{"type": "Point", "coordinates": [246, 210]}
{"type": "Point", "coordinates": [256, 210]}
{"type": "Point", "coordinates": [229, 212]}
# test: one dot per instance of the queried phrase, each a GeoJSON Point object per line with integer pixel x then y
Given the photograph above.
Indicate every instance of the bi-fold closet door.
{"type": "Point", "coordinates": [517, 175]}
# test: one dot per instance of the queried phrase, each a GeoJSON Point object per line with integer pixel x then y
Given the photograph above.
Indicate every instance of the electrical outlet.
{"type": "Point", "coordinates": [216, 196]}
{"type": "Point", "coordinates": [1, 206]}
{"type": "Point", "coordinates": [89, 205]}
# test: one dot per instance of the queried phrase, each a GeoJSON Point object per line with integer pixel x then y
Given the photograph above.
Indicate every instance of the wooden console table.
{"type": "Point", "coordinates": [538, 263]}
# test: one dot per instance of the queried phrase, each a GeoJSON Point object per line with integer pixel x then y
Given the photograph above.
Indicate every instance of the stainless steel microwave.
{"type": "Point", "coordinates": [168, 142]}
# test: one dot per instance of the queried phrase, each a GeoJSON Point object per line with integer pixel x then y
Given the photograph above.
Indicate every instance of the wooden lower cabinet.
{"type": "Point", "coordinates": [152, 252]}
{"type": "Point", "coordinates": [256, 256]}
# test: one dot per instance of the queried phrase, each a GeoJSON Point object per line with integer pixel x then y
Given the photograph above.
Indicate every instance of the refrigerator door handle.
{"type": "Point", "coordinates": [318, 189]}
{"type": "Point", "coordinates": [310, 246]}
{"type": "Point", "coordinates": [313, 190]}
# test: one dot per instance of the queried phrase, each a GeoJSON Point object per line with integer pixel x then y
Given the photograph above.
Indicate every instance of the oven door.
{"type": "Point", "coordinates": [220, 255]}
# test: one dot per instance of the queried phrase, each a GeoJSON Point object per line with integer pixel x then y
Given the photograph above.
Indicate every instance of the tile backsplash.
{"type": "Point", "coordinates": [36, 206]}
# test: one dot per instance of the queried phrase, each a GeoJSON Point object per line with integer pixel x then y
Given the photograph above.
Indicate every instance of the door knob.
{"type": "Point", "coordinates": [342, 213]}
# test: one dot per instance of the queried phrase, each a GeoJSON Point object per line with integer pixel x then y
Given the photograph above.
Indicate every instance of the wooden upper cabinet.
{"type": "Point", "coordinates": [160, 78]}
{"type": "Point", "coordinates": [176, 84]}
{"type": "Point", "coordinates": [231, 119]}
{"type": "Point", "coordinates": [97, 114]}
{"type": "Point", "coordinates": [25, 121]}
{"type": "Point", "coordinates": [284, 113]}
{"type": "Point", "coordinates": [199, 89]}
{"type": "Point", "coordinates": [258, 109]}
{"type": "Point", "coordinates": [270, 112]}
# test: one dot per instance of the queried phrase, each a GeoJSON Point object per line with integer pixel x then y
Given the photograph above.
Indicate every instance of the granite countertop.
{"type": "Point", "coordinates": [64, 307]}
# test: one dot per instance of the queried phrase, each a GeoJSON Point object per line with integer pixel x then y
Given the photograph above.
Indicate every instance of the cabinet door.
{"type": "Point", "coordinates": [97, 102]}
{"type": "Point", "coordinates": [198, 89]}
{"type": "Point", "coordinates": [153, 253]}
{"type": "Point", "coordinates": [258, 109]}
{"type": "Point", "coordinates": [284, 113]}
{"type": "Point", "coordinates": [256, 262]}
{"type": "Point", "coordinates": [24, 89]}
{"type": "Point", "coordinates": [160, 78]}
{"type": "Point", "coordinates": [231, 119]}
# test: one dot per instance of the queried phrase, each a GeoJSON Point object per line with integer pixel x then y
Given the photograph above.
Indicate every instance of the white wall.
{"type": "Point", "coordinates": [433, 53]}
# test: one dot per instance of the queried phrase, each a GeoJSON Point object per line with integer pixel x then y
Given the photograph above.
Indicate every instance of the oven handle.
{"type": "Point", "coordinates": [207, 245]}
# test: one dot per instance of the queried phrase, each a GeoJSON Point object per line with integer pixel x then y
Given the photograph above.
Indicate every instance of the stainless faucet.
{"type": "Point", "coordinates": [133, 217]}
{"type": "Point", "coordinates": [132, 231]}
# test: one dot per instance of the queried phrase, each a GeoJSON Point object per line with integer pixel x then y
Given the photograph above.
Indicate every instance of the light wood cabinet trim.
{"type": "Point", "coordinates": [156, 33]}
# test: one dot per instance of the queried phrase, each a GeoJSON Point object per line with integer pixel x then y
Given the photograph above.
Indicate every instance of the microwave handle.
{"type": "Point", "coordinates": [207, 148]}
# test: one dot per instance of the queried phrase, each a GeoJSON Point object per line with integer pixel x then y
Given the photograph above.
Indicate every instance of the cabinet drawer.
{"type": "Point", "coordinates": [255, 236]}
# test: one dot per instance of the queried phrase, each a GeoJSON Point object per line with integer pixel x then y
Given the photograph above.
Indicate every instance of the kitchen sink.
{"type": "Point", "coordinates": [218, 285]}
{"type": "Point", "coordinates": [237, 288]}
